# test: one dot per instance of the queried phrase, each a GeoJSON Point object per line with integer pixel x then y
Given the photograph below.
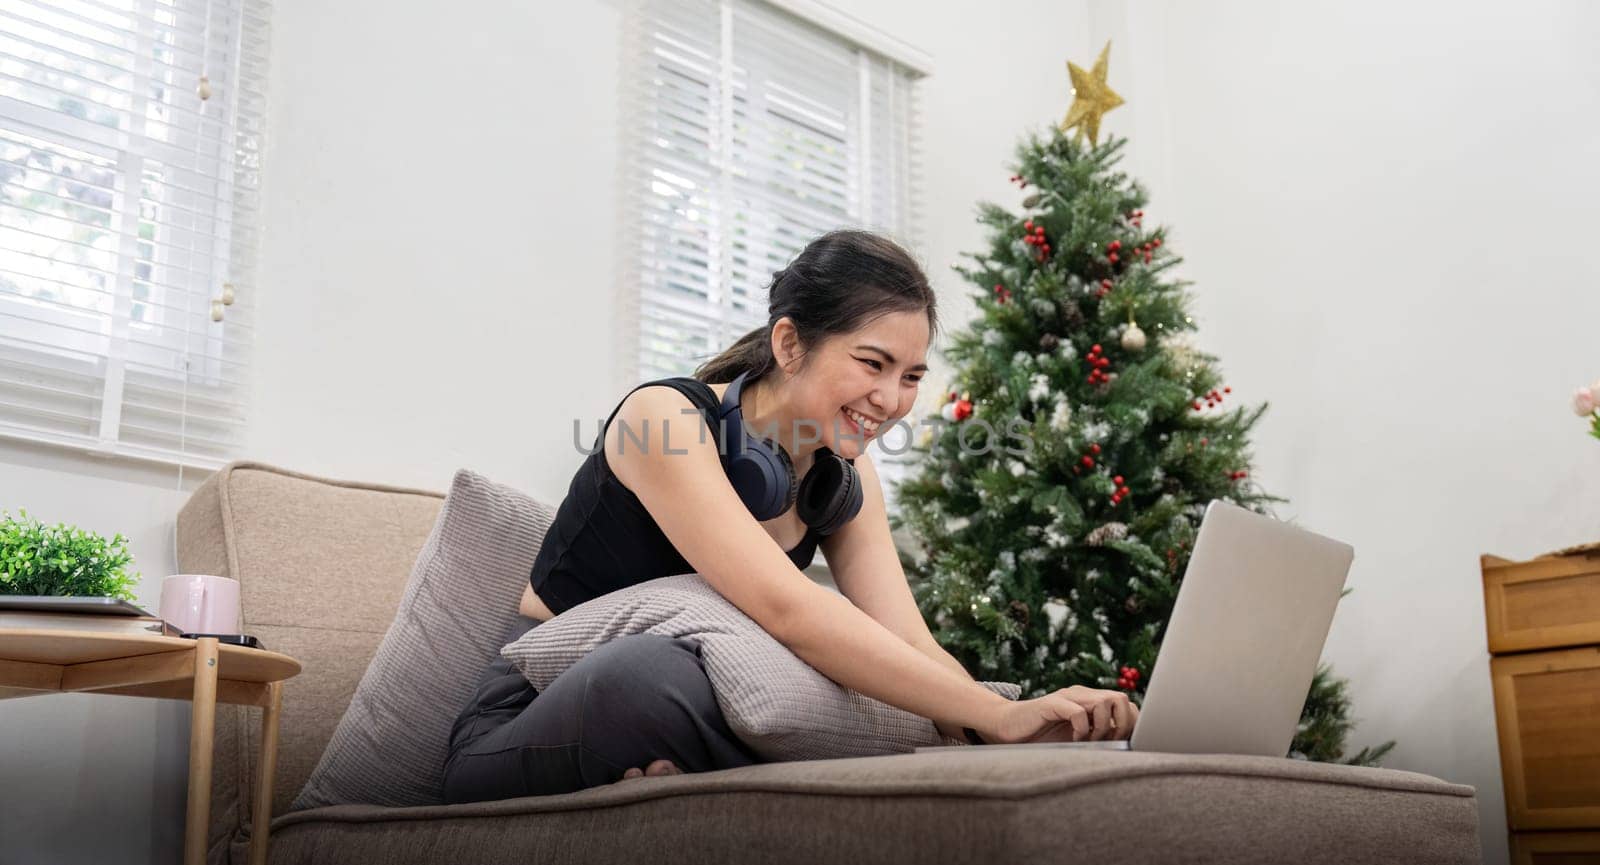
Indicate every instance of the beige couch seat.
{"type": "Point", "coordinates": [322, 564]}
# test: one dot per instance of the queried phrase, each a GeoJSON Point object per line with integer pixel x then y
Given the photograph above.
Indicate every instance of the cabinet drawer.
{"type": "Point", "coordinates": [1543, 603]}
{"type": "Point", "coordinates": [1547, 713]}
{"type": "Point", "coordinates": [1555, 848]}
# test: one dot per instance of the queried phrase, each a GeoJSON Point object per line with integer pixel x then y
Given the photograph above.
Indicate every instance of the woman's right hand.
{"type": "Point", "coordinates": [1074, 714]}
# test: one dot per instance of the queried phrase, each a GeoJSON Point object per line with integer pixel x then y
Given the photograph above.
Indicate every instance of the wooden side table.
{"type": "Point", "coordinates": [44, 652]}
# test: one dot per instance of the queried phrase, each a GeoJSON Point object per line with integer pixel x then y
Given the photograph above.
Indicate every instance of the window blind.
{"type": "Point", "coordinates": [127, 208]}
{"type": "Point", "coordinates": [749, 130]}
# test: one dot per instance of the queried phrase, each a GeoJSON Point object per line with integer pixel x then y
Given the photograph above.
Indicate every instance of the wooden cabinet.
{"type": "Point", "coordinates": [1543, 619]}
{"type": "Point", "coordinates": [1555, 848]}
{"type": "Point", "coordinates": [1547, 603]}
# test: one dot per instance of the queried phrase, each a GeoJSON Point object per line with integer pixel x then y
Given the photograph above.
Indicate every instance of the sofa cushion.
{"type": "Point", "coordinates": [977, 804]}
{"type": "Point", "coordinates": [779, 705]}
{"type": "Point", "coordinates": [390, 746]}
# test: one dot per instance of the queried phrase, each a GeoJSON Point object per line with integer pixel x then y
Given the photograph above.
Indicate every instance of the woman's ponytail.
{"type": "Point", "coordinates": [752, 353]}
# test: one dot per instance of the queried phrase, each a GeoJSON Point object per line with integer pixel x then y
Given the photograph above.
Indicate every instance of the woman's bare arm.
{"type": "Point", "coordinates": [677, 474]}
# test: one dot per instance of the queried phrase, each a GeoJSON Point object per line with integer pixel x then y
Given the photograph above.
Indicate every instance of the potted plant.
{"type": "Point", "coordinates": [1586, 403]}
{"type": "Point", "coordinates": [36, 559]}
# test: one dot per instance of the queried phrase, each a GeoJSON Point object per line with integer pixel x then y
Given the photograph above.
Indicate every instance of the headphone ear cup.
{"type": "Point", "coordinates": [763, 476]}
{"type": "Point", "coordinates": [830, 495]}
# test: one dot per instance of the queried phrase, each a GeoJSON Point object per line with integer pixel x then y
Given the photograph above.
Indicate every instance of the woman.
{"type": "Point", "coordinates": [850, 323]}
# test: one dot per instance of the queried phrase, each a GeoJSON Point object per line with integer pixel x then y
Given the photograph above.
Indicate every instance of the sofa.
{"type": "Point", "coordinates": [322, 564]}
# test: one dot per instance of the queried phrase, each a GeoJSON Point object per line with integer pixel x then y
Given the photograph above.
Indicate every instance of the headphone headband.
{"type": "Point", "coordinates": [732, 405]}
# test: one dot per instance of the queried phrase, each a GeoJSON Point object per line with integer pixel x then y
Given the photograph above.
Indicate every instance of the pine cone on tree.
{"type": "Point", "coordinates": [1107, 532]}
{"type": "Point", "coordinates": [1071, 314]}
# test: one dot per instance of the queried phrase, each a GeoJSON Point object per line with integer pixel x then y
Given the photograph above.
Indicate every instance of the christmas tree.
{"type": "Point", "coordinates": [1056, 507]}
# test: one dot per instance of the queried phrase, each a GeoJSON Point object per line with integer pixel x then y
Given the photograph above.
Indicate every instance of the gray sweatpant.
{"type": "Point", "coordinates": [633, 700]}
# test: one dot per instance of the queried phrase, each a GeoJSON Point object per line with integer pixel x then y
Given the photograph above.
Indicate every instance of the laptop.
{"type": "Point", "coordinates": [1242, 646]}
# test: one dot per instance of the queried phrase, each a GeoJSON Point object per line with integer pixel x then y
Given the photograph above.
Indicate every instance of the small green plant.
{"type": "Point", "coordinates": [36, 559]}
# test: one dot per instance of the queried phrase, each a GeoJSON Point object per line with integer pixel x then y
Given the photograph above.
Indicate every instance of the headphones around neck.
{"type": "Point", "coordinates": [763, 474]}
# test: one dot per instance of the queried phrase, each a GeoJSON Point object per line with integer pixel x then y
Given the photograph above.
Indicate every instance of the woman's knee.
{"type": "Point", "coordinates": [648, 697]}
{"type": "Point", "coordinates": [638, 673]}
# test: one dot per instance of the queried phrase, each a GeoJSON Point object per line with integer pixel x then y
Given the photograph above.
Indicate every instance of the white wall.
{"type": "Point", "coordinates": [436, 292]}
{"type": "Point", "coordinates": [1386, 208]}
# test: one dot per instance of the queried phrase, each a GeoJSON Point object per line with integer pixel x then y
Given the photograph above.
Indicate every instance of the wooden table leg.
{"type": "Point", "coordinates": [202, 731]}
{"type": "Point", "coordinates": [266, 767]}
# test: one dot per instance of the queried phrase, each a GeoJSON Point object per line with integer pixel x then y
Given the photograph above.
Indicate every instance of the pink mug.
{"type": "Point", "coordinates": [200, 603]}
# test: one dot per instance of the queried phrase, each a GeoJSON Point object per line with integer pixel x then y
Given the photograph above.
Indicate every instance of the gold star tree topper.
{"type": "Point", "coordinates": [1090, 98]}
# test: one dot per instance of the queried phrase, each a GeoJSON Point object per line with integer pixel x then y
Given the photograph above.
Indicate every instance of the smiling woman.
{"type": "Point", "coordinates": [850, 321]}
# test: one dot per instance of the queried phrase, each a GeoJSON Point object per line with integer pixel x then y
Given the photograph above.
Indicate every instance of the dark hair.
{"type": "Point", "coordinates": [838, 283]}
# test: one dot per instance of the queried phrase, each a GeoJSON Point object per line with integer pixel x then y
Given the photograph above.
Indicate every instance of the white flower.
{"type": "Point", "coordinates": [991, 337]}
{"type": "Point", "coordinates": [1017, 468]}
{"type": "Point", "coordinates": [1055, 538]}
{"type": "Point", "coordinates": [1043, 308]}
{"type": "Point", "coordinates": [1008, 560]}
{"type": "Point", "coordinates": [1040, 388]}
{"type": "Point", "coordinates": [957, 524]}
{"type": "Point", "coordinates": [1034, 554]}
{"type": "Point", "coordinates": [1061, 418]}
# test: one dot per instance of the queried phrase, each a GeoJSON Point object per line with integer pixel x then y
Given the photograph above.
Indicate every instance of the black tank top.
{"type": "Point", "coordinates": [603, 538]}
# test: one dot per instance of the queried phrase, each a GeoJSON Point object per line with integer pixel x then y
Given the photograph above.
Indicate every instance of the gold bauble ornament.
{"type": "Point", "coordinates": [227, 294]}
{"type": "Point", "coordinates": [1091, 98]}
{"type": "Point", "coordinates": [216, 310]}
{"type": "Point", "coordinates": [203, 90]}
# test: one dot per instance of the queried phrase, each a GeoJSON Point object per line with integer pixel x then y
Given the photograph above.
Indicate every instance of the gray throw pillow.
{"type": "Point", "coordinates": [779, 705]}
{"type": "Point", "coordinates": [389, 748]}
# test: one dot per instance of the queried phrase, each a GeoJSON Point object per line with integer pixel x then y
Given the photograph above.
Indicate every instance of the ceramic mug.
{"type": "Point", "coordinates": [200, 603]}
